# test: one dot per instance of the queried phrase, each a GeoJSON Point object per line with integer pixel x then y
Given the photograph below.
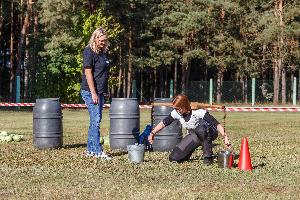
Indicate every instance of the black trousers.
{"type": "Point", "coordinates": [199, 136]}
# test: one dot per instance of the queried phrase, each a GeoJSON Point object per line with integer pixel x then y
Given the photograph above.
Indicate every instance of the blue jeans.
{"type": "Point", "coordinates": [95, 111]}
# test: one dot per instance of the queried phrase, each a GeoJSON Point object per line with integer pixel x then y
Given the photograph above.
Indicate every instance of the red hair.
{"type": "Point", "coordinates": [181, 101]}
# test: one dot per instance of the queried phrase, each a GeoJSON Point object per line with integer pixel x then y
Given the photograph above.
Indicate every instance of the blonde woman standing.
{"type": "Point", "coordinates": [95, 73]}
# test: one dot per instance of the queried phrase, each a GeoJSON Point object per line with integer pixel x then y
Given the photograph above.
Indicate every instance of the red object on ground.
{"type": "Point", "coordinates": [230, 160]}
{"type": "Point", "coordinates": [244, 158]}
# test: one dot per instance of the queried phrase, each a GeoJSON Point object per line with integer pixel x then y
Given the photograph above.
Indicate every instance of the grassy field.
{"type": "Point", "coordinates": [28, 173]}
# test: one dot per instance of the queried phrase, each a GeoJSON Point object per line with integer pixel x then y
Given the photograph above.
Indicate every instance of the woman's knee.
{"type": "Point", "coordinates": [185, 148]}
{"type": "Point", "coordinates": [201, 132]}
{"type": "Point", "coordinates": [95, 119]}
{"type": "Point", "coordinates": [214, 135]}
{"type": "Point", "coordinates": [177, 155]}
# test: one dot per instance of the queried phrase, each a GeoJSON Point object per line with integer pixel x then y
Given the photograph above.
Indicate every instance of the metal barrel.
{"type": "Point", "coordinates": [47, 124]}
{"type": "Point", "coordinates": [170, 136]}
{"type": "Point", "coordinates": [124, 116]}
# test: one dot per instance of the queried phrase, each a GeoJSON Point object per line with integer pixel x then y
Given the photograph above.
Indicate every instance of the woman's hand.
{"type": "Point", "coordinates": [226, 142]}
{"type": "Point", "coordinates": [223, 133]}
{"type": "Point", "coordinates": [95, 98]}
{"type": "Point", "coordinates": [155, 130]}
{"type": "Point", "coordinates": [151, 138]}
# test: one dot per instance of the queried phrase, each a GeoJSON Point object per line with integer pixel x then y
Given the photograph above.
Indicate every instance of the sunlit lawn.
{"type": "Point", "coordinates": [28, 173]}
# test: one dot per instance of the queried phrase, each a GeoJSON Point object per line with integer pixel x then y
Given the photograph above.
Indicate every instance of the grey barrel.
{"type": "Point", "coordinates": [124, 116]}
{"type": "Point", "coordinates": [47, 124]}
{"type": "Point", "coordinates": [167, 138]}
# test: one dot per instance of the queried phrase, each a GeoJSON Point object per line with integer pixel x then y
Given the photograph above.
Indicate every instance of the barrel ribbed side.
{"type": "Point", "coordinates": [170, 136]}
{"type": "Point", "coordinates": [124, 116]}
{"type": "Point", "coordinates": [47, 124]}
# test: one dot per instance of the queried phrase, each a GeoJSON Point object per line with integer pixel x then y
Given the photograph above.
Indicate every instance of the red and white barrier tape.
{"type": "Point", "coordinates": [16, 104]}
{"type": "Point", "coordinates": [229, 109]}
{"type": "Point", "coordinates": [263, 109]}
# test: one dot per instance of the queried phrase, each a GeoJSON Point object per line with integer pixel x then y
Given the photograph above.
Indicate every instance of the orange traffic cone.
{"type": "Point", "coordinates": [244, 158]}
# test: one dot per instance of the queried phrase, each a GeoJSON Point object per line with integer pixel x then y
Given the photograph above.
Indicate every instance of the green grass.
{"type": "Point", "coordinates": [28, 173]}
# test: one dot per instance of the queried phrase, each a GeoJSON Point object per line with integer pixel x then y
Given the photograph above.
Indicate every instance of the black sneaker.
{"type": "Point", "coordinates": [208, 160]}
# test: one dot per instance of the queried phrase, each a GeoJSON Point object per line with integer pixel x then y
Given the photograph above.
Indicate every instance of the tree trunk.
{"type": "Point", "coordinates": [92, 6]}
{"type": "Point", "coordinates": [246, 89]}
{"type": "Point", "coordinates": [12, 66]}
{"type": "Point", "coordinates": [161, 82]}
{"type": "Point", "coordinates": [221, 68]}
{"type": "Point", "coordinates": [28, 56]}
{"type": "Point", "coordinates": [152, 88]}
{"type": "Point", "coordinates": [277, 52]}
{"type": "Point", "coordinates": [207, 48]}
{"type": "Point", "coordinates": [129, 73]}
{"type": "Point", "coordinates": [299, 86]}
{"type": "Point", "coordinates": [112, 92]}
{"type": "Point", "coordinates": [33, 64]}
{"type": "Point", "coordinates": [290, 94]}
{"type": "Point", "coordinates": [183, 78]}
{"type": "Point", "coordinates": [1, 17]}
{"type": "Point", "coordinates": [1, 49]}
{"type": "Point", "coordinates": [264, 67]}
{"type": "Point", "coordinates": [120, 73]}
{"type": "Point", "coordinates": [219, 86]}
{"type": "Point", "coordinates": [187, 78]}
{"type": "Point", "coordinates": [281, 53]}
{"type": "Point", "coordinates": [242, 81]}
{"type": "Point", "coordinates": [283, 85]}
{"type": "Point", "coordinates": [124, 82]}
{"type": "Point", "coordinates": [175, 76]}
{"type": "Point", "coordinates": [155, 84]}
{"type": "Point", "coordinates": [166, 83]}
{"type": "Point", "coordinates": [119, 82]}
{"type": "Point", "coordinates": [275, 82]}
{"type": "Point", "coordinates": [21, 44]}
{"type": "Point", "coordinates": [26, 71]}
{"type": "Point", "coordinates": [141, 86]}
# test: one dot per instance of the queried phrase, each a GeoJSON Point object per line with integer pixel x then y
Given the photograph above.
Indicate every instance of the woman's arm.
{"type": "Point", "coordinates": [209, 118]}
{"type": "Point", "coordinates": [223, 133]}
{"type": "Point", "coordinates": [165, 122]}
{"type": "Point", "coordinates": [90, 80]}
{"type": "Point", "coordinates": [156, 129]}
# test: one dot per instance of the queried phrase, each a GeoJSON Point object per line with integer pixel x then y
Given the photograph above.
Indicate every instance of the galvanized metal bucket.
{"type": "Point", "coordinates": [225, 159]}
{"type": "Point", "coordinates": [136, 153]}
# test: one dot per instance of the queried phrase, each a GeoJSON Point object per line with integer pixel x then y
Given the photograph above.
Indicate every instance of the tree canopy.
{"type": "Point", "coordinates": [151, 42]}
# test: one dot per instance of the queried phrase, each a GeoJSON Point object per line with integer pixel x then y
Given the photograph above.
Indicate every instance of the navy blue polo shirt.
{"type": "Point", "coordinates": [99, 64]}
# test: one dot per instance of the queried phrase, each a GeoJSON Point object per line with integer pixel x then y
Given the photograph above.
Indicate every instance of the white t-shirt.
{"type": "Point", "coordinates": [194, 120]}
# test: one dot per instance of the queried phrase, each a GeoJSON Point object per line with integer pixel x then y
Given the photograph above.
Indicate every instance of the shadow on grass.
{"type": "Point", "coordinates": [197, 158]}
{"type": "Point", "coordinates": [117, 153]}
{"type": "Point", "coordinates": [72, 146]}
{"type": "Point", "coordinates": [214, 145]}
{"type": "Point", "coordinates": [261, 165]}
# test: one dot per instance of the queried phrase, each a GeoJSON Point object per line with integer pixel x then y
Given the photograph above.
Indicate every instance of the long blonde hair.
{"type": "Point", "coordinates": [92, 43]}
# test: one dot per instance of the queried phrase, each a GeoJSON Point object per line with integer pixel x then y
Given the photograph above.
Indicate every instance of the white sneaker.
{"type": "Point", "coordinates": [103, 156]}
{"type": "Point", "coordinates": [89, 154]}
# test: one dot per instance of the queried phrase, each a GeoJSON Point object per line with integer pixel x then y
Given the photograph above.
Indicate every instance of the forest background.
{"type": "Point", "coordinates": [154, 44]}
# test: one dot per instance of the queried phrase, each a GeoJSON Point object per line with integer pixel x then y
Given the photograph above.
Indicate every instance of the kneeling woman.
{"type": "Point", "coordinates": [202, 129]}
